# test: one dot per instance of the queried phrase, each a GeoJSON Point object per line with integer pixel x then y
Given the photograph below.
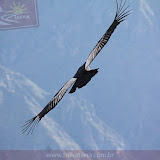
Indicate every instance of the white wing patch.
{"type": "Point", "coordinates": [54, 101]}
{"type": "Point", "coordinates": [98, 48]}
{"type": "Point", "coordinates": [61, 93]}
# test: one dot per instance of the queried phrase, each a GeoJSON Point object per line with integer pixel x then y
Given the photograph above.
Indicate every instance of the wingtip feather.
{"type": "Point", "coordinates": [30, 124]}
{"type": "Point", "coordinates": [122, 12]}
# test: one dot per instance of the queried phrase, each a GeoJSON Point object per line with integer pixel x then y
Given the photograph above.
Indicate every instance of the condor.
{"type": "Point", "coordinates": [84, 73]}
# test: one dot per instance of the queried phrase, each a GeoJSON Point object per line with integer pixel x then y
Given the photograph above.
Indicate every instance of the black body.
{"type": "Point", "coordinates": [83, 77]}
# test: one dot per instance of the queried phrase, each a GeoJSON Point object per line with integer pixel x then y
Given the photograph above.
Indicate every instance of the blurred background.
{"type": "Point", "coordinates": [118, 109]}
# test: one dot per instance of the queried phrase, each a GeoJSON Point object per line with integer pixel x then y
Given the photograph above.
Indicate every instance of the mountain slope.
{"type": "Point", "coordinates": [79, 126]}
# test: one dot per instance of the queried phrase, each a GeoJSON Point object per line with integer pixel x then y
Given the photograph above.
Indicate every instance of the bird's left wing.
{"type": "Point", "coordinates": [121, 13]}
{"type": "Point", "coordinates": [30, 124]}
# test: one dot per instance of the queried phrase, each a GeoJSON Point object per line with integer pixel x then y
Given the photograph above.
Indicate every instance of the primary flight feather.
{"type": "Point", "coordinates": [84, 73]}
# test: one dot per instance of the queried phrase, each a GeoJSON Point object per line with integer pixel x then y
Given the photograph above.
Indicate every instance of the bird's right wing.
{"type": "Point", "coordinates": [121, 13]}
{"type": "Point", "coordinates": [54, 101]}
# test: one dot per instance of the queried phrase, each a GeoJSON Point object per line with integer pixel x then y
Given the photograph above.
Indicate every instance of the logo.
{"type": "Point", "coordinates": [18, 14]}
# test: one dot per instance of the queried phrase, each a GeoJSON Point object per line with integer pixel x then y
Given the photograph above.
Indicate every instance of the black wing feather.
{"type": "Point", "coordinates": [121, 13]}
{"type": "Point", "coordinates": [32, 123]}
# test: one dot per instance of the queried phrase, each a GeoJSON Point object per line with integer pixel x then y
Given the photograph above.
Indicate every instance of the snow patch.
{"type": "Point", "coordinates": [11, 80]}
{"type": "Point", "coordinates": [91, 119]}
{"type": "Point", "coordinates": [146, 10]}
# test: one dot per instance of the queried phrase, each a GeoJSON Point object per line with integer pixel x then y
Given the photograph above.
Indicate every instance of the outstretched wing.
{"type": "Point", "coordinates": [30, 124]}
{"type": "Point", "coordinates": [121, 13]}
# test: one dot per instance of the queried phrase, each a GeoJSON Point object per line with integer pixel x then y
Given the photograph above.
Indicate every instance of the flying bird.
{"type": "Point", "coordinates": [84, 73]}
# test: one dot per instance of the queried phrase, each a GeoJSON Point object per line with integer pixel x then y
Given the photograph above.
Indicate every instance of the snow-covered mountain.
{"type": "Point", "coordinates": [118, 109]}
{"type": "Point", "coordinates": [79, 125]}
